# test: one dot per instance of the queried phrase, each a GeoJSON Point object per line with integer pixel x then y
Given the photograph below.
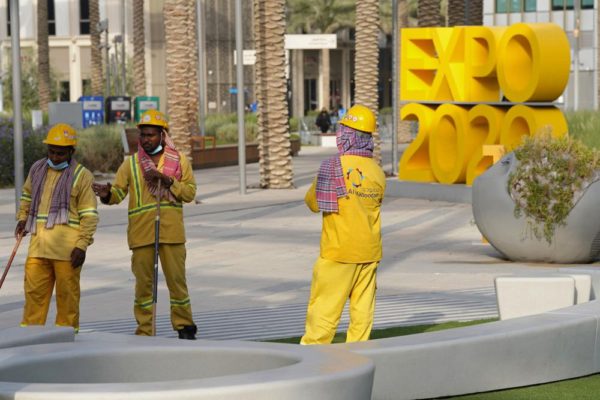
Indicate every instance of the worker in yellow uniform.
{"type": "Point", "coordinates": [157, 169]}
{"type": "Point", "coordinates": [58, 208]}
{"type": "Point", "coordinates": [348, 191]}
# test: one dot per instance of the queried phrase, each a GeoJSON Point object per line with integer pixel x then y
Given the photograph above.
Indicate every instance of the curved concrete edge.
{"type": "Point", "coordinates": [321, 372]}
{"type": "Point", "coordinates": [542, 348]}
{"type": "Point", "coordinates": [30, 335]}
{"type": "Point", "coordinates": [457, 193]}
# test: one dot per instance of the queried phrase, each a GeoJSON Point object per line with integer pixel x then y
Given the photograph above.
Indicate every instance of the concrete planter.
{"type": "Point", "coordinates": [204, 156]}
{"type": "Point", "coordinates": [219, 156]}
{"type": "Point", "coordinates": [493, 208]}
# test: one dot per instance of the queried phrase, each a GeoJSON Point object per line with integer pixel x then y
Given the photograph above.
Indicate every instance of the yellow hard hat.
{"type": "Point", "coordinates": [154, 117]}
{"type": "Point", "coordinates": [360, 118]}
{"type": "Point", "coordinates": [61, 135]}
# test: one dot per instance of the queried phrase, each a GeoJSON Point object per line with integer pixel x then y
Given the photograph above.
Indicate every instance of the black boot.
{"type": "Point", "coordinates": [188, 332]}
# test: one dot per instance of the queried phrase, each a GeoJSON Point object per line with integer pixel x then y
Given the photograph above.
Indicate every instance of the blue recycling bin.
{"type": "Point", "coordinates": [93, 110]}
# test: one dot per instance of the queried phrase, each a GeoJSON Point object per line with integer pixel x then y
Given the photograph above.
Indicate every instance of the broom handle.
{"type": "Point", "coordinates": [10, 260]}
{"type": "Point", "coordinates": [156, 247]}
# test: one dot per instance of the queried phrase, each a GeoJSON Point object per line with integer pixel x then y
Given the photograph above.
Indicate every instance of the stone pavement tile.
{"type": "Point", "coordinates": [256, 251]}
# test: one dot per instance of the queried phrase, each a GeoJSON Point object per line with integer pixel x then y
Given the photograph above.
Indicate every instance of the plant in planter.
{"type": "Point", "coordinates": [551, 176]}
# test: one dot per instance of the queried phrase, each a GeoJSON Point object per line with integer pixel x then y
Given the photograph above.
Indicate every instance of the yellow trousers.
{"type": "Point", "coordinates": [333, 283]}
{"type": "Point", "coordinates": [40, 276]}
{"type": "Point", "coordinates": [172, 261]}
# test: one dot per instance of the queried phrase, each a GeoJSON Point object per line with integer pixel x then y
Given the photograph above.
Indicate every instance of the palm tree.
{"type": "Point", "coordinates": [43, 55]}
{"type": "Point", "coordinates": [366, 74]}
{"type": "Point", "coordinates": [321, 16]}
{"type": "Point", "coordinates": [96, 51]}
{"type": "Point", "coordinates": [428, 12]}
{"type": "Point", "coordinates": [465, 12]}
{"type": "Point", "coordinates": [275, 161]}
{"type": "Point", "coordinates": [139, 62]}
{"type": "Point", "coordinates": [182, 93]}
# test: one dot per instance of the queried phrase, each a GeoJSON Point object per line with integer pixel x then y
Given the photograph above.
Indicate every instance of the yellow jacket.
{"type": "Point", "coordinates": [142, 205]}
{"type": "Point", "coordinates": [353, 235]}
{"type": "Point", "coordinates": [58, 242]}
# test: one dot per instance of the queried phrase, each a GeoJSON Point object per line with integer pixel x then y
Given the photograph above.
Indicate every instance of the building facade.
{"type": "Point", "coordinates": [70, 54]}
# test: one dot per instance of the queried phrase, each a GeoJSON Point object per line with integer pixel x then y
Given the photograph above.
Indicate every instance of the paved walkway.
{"type": "Point", "coordinates": [250, 261]}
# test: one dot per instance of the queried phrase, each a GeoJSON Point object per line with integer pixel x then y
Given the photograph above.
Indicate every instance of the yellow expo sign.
{"type": "Point", "coordinates": [474, 86]}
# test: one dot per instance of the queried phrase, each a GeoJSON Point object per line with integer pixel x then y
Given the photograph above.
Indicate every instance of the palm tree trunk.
{"type": "Point", "coordinates": [96, 52]}
{"type": "Point", "coordinates": [456, 13]}
{"type": "Point", "coordinates": [404, 135]}
{"type": "Point", "coordinates": [428, 12]}
{"type": "Point", "coordinates": [325, 78]}
{"type": "Point", "coordinates": [367, 61]}
{"type": "Point", "coordinates": [182, 93]}
{"type": "Point", "coordinates": [275, 162]}
{"type": "Point", "coordinates": [43, 55]}
{"type": "Point", "coordinates": [475, 12]}
{"type": "Point", "coordinates": [139, 61]}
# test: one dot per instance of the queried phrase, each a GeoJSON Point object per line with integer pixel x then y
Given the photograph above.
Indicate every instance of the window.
{"type": "Point", "coordinates": [64, 88]}
{"type": "Point", "coordinates": [515, 6]}
{"type": "Point", "coordinates": [84, 17]}
{"type": "Point", "coordinates": [8, 18]}
{"type": "Point", "coordinates": [568, 4]}
{"type": "Point", "coordinates": [51, 19]}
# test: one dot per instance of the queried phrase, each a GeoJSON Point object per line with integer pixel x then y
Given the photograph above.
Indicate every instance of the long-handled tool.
{"type": "Point", "coordinates": [156, 243]}
{"type": "Point", "coordinates": [10, 260]}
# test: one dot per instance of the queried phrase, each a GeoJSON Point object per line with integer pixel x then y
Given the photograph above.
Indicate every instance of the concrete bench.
{"type": "Point", "coordinates": [522, 295]}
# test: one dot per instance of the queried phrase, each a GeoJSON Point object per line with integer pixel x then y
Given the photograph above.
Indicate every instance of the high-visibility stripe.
{"type": "Point", "coordinates": [149, 207]}
{"type": "Point", "coordinates": [180, 303]}
{"type": "Point", "coordinates": [74, 222]}
{"type": "Point", "coordinates": [119, 194]}
{"type": "Point", "coordinates": [77, 174]}
{"type": "Point", "coordinates": [143, 304]}
{"type": "Point", "coordinates": [25, 197]}
{"type": "Point", "coordinates": [87, 211]}
{"type": "Point", "coordinates": [136, 180]}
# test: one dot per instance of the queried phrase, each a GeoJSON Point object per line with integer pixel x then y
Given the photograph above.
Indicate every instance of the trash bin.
{"type": "Point", "coordinates": [144, 103]}
{"type": "Point", "coordinates": [93, 110]}
{"type": "Point", "coordinates": [118, 109]}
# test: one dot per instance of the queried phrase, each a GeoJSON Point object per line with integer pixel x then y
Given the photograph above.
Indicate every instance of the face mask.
{"type": "Point", "coordinates": [157, 150]}
{"type": "Point", "coordinates": [57, 167]}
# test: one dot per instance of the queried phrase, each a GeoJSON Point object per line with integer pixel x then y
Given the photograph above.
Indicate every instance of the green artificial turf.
{"type": "Point", "coordinates": [586, 388]}
{"type": "Point", "coordinates": [397, 331]}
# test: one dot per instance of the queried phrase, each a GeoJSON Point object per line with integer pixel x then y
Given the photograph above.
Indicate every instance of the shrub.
{"type": "Point", "coordinates": [585, 125]}
{"type": "Point", "coordinates": [551, 176]}
{"type": "Point", "coordinates": [33, 149]}
{"type": "Point", "coordinates": [294, 124]}
{"type": "Point", "coordinates": [100, 148]}
{"type": "Point", "coordinates": [228, 133]}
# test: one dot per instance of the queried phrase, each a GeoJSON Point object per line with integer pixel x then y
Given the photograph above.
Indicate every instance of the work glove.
{"type": "Point", "coordinates": [77, 257]}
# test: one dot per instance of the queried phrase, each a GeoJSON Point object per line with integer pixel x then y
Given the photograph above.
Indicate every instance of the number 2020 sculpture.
{"type": "Point", "coordinates": [473, 86]}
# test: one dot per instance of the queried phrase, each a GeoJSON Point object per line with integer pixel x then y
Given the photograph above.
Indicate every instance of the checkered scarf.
{"type": "Point", "coordinates": [330, 179]}
{"type": "Point", "coordinates": [61, 196]}
{"type": "Point", "coordinates": [172, 167]}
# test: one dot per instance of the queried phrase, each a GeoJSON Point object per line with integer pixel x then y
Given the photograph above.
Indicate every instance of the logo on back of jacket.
{"type": "Point", "coordinates": [356, 178]}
